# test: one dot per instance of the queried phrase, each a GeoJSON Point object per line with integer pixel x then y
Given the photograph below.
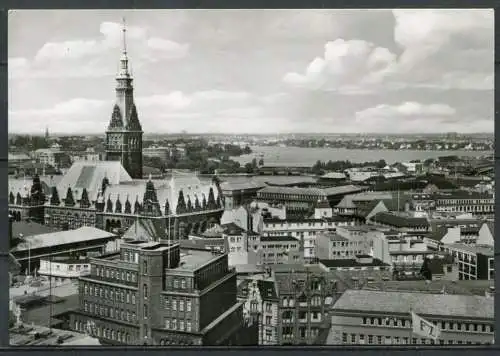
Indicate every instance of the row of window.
{"type": "Point", "coordinates": [288, 333]}
{"type": "Point", "coordinates": [107, 333]}
{"type": "Point", "coordinates": [178, 325]}
{"type": "Point", "coordinates": [288, 302]}
{"type": "Point", "coordinates": [110, 294]}
{"type": "Point", "coordinates": [109, 312]}
{"type": "Point", "coordinates": [313, 224]}
{"type": "Point", "coordinates": [177, 304]}
{"type": "Point", "coordinates": [361, 339]}
{"type": "Point", "coordinates": [110, 273]}
{"type": "Point", "coordinates": [448, 326]}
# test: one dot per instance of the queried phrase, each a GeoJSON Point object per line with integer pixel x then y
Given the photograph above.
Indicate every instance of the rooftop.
{"type": "Point", "coordinates": [480, 249]}
{"type": "Point", "coordinates": [192, 259]}
{"type": "Point", "coordinates": [83, 234]}
{"type": "Point", "coordinates": [465, 287]}
{"type": "Point", "coordinates": [282, 238]}
{"type": "Point", "coordinates": [30, 228]}
{"type": "Point", "coordinates": [399, 221]}
{"type": "Point", "coordinates": [348, 263]}
{"type": "Point", "coordinates": [421, 303]}
{"type": "Point", "coordinates": [42, 336]}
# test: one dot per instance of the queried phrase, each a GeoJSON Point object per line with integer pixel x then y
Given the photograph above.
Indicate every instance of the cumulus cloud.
{"type": "Point", "coordinates": [92, 56]}
{"type": "Point", "coordinates": [433, 56]}
{"type": "Point", "coordinates": [345, 66]}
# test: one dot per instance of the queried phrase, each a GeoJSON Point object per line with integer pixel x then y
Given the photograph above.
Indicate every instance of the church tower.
{"type": "Point", "coordinates": [124, 133]}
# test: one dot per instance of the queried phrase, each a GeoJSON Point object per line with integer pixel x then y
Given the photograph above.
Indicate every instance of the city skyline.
{"type": "Point", "coordinates": [212, 72]}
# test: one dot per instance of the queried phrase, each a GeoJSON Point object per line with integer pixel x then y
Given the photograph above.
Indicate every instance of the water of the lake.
{"type": "Point", "coordinates": [300, 156]}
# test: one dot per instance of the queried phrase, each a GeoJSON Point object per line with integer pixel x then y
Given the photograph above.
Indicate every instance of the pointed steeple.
{"type": "Point", "coordinates": [128, 206]}
{"type": "Point", "coordinates": [118, 206]}
{"type": "Point", "coordinates": [124, 73]}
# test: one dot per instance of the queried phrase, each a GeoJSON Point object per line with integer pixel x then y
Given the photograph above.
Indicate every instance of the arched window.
{"type": "Point", "coordinates": [145, 289]}
{"type": "Point", "coordinates": [145, 311]}
{"type": "Point", "coordinates": [145, 268]}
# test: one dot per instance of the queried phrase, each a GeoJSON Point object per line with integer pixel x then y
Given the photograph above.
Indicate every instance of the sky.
{"type": "Point", "coordinates": [255, 71]}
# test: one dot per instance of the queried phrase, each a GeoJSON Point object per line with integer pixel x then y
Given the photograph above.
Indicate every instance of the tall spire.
{"type": "Point", "coordinates": [124, 73]}
{"type": "Point", "coordinates": [124, 30]}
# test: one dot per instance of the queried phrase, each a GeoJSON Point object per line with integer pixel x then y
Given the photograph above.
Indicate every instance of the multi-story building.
{"type": "Point", "coordinates": [466, 202]}
{"type": "Point", "coordinates": [64, 269]}
{"type": "Point", "coordinates": [300, 202]}
{"type": "Point", "coordinates": [370, 317]}
{"type": "Point", "coordinates": [474, 261]}
{"type": "Point", "coordinates": [261, 304]}
{"type": "Point", "coordinates": [359, 262]}
{"type": "Point", "coordinates": [348, 241]}
{"type": "Point", "coordinates": [307, 229]}
{"type": "Point", "coordinates": [305, 296]}
{"type": "Point", "coordinates": [154, 293]}
{"type": "Point", "coordinates": [466, 231]}
{"type": "Point", "coordinates": [262, 250]}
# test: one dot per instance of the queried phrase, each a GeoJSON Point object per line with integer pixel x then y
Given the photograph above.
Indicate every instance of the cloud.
{"type": "Point", "coordinates": [67, 115]}
{"type": "Point", "coordinates": [413, 117]}
{"type": "Point", "coordinates": [171, 112]}
{"type": "Point", "coordinates": [433, 55]}
{"type": "Point", "coordinates": [92, 56]}
{"type": "Point", "coordinates": [168, 48]}
{"type": "Point", "coordinates": [345, 66]}
{"type": "Point", "coordinates": [408, 109]}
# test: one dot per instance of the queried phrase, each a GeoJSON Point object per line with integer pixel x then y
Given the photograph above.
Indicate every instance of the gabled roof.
{"type": "Point", "coordinates": [146, 230]}
{"type": "Point", "coordinates": [365, 209]}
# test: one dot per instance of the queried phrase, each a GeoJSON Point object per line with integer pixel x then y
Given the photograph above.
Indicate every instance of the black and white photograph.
{"type": "Point", "coordinates": [251, 177]}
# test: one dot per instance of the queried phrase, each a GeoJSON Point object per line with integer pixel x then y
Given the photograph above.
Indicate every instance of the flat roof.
{"type": "Point", "coordinates": [192, 259]}
{"type": "Point", "coordinates": [83, 234]}
{"type": "Point", "coordinates": [482, 249]}
{"type": "Point", "coordinates": [470, 306]}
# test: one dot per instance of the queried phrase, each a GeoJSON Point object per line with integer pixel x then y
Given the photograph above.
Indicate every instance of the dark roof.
{"type": "Point", "coordinates": [146, 230]}
{"type": "Point", "coordinates": [351, 263]}
{"type": "Point", "coordinates": [281, 238]}
{"type": "Point", "coordinates": [30, 228]}
{"type": "Point", "coordinates": [364, 209]}
{"type": "Point", "coordinates": [399, 221]}
{"type": "Point", "coordinates": [267, 290]}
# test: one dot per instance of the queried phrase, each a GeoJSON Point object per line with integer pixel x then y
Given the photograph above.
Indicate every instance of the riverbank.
{"type": "Point", "coordinates": [307, 157]}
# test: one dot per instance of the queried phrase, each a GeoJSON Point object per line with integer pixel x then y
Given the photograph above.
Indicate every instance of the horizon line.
{"type": "Point", "coordinates": [258, 134]}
